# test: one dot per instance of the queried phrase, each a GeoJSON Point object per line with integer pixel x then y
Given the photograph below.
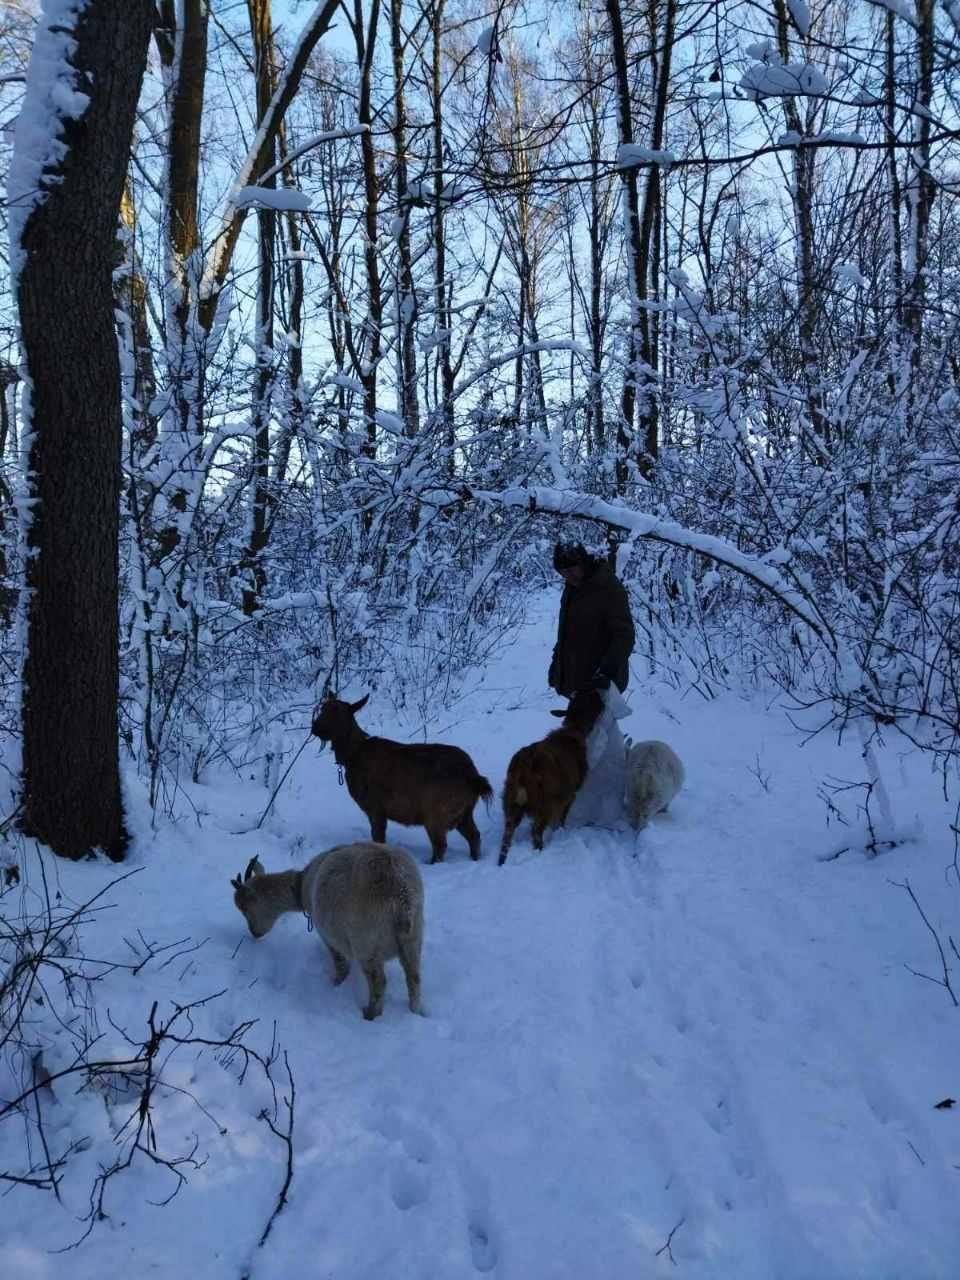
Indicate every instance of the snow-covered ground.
{"type": "Point", "coordinates": [705, 1034]}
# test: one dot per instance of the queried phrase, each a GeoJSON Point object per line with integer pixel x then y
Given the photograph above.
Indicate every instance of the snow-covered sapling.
{"type": "Point", "coordinates": [366, 902]}
{"type": "Point", "coordinates": [654, 776]}
{"type": "Point", "coordinates": [424, 784]}
{"type": "Point", "coordinates": [543, 778]}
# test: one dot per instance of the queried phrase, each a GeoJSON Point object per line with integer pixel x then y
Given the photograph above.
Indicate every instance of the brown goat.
{"type": "Point", "coordinates": [543, 779]}
{"type": "Point", "coordinates": [416, 784]}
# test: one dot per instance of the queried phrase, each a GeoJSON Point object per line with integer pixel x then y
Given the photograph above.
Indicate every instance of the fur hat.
{"type": "Point", "coordinates": [567, 555]}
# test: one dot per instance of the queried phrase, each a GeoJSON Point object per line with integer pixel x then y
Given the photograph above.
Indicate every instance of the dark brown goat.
{"type": "Point", "coordinates": [416, 784]}
{"type": "Point", "coordinates": [543, 779]}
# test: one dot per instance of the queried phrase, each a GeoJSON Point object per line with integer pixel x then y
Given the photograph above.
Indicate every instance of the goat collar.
{"type": "Point", "coordinates": [297, 888]}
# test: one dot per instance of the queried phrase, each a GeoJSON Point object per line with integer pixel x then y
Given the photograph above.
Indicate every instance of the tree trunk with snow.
{"type": "Point", "coordinates": [71, 779]}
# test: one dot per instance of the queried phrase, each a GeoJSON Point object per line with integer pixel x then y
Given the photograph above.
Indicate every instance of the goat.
{"type": "Point", "coordinates": [543, 779]}
{"type": "Point", "coordinates": [366, 901]}
{"type": "Point", "coordinates": [416, 784]}
{"type": "Point", "coordinates": [654, 776]}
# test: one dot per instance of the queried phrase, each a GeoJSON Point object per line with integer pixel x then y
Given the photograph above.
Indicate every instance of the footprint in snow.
{"type": "Point", "coordinates": [409, 1185]}
{"type": "Point", "coordinates": [480, 1232]}
{"type": "Point", "coordinates": [410, 1171]}
{"type": "Point", "coordinates": [481, 1246]}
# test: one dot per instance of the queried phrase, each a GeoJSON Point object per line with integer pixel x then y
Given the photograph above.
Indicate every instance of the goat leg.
{"type": "Point", "coordinates": [509, 827]}
{"type": "Point", "coordinates": [341, 966]}
{"type": "Point", "coordinates": [411, 969]}
{"type": "Point", "coordinates": [468, 829]}
{"type": "Point", "coordinates": [376, 984]}
{"type": "Point", "coordinates": [438, 842]}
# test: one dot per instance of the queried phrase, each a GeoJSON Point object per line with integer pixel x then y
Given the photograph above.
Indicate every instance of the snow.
{"type": "Point", "coordinates": [792, 79]}
{"type": "Point", "coordinates": [843, 137]}
{"type": "Point", "coordinates": [486, 41]}
{"type": "Point", "coordinates": [800, 15]}
{"type": "Point", "coordinates": [849, 273]}
{"type": "Point", "coordinates": [704, 1030]}
{"type": "Point", "coordinates": [51, 97]}
{"type": "Point", "coordinates": [902, 9]}
{"type": "Point", "coordinates": [286, 199]}
{"type": "Point", "coordinates": [630, 154]}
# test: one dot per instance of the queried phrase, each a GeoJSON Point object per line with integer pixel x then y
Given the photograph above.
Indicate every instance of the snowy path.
{"type": "Point", "coordinates": [703, 1028]}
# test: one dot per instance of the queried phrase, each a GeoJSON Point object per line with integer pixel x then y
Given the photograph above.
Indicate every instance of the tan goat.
{"type": "Point", "coordinates": [366, 902]}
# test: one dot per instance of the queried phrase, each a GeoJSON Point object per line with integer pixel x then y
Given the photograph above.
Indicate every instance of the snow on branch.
{"type": "Point", "coordinates": [800, 15]}
{"type": "Point", "coordinates": [899, 8]}
{"type": "Point", "coordinates": [630, 155]}
{"type": "Point", "coordinates": [644, 525]}
{"type": "Point", "coordinates": [283, 199]}
{"type": "Point", "coordinates": [318, 139]}
{"type": "Point", "coordinates": [787, 80]}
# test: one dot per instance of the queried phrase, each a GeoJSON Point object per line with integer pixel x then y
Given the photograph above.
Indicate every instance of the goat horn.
{"type": "Point", "coordinates": [253, 868]}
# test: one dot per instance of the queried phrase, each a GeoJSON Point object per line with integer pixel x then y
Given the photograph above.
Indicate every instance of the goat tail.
{"type": "Point", "coordinates": [482, 787]}
{"type": "Point", "coordinates": [403, 914]}
{"type": "Point", "coordinates": [385, 883]}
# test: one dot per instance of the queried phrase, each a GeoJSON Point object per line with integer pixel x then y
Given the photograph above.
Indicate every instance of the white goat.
{"type": "Point", "coordinates": [366, 901]}
{"type": "Point", "coordinates": [654, 776]}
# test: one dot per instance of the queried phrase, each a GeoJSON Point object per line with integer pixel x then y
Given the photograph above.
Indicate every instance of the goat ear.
{"type": "Point", "coordinates": [559, 714]}
{"type": "Point", "coordinates": [236, 883]}
{"type": "Point", "coordinates": [358, 706]}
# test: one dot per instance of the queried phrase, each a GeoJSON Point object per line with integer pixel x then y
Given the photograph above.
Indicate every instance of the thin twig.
{"type": "Point", "coordinates": [945, 980]}
{"type": "Point", "coordinates": [669, 1241]}
{"type": "Point", "coordinates": [286, 1138]}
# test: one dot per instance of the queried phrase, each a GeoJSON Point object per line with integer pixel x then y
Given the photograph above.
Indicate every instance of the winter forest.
{"type": "Point", "coordinates": [320, 324]}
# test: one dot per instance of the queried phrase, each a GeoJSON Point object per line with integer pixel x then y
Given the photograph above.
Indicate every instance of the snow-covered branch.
{"type": "Point", "coordinates": [644, 525]}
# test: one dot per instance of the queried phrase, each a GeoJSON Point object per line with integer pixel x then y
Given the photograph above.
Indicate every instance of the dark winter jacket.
{"type": "Point", "coordinates": [595, 633]}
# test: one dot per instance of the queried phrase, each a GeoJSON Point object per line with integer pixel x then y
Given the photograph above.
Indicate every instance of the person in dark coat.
{"type": "Point", "coordinates": [595, 631]}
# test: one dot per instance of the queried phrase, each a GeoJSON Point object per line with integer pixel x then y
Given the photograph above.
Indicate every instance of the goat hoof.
{"type": "Point", "coordinates": [370, 1013]}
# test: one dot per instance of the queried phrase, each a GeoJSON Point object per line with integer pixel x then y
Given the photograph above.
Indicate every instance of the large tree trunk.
{"type": "Point", "coordinates": [71, 777]}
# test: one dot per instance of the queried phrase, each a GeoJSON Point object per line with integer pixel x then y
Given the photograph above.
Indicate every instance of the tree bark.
{"type": "Point", "coordinates": [71, 776]}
